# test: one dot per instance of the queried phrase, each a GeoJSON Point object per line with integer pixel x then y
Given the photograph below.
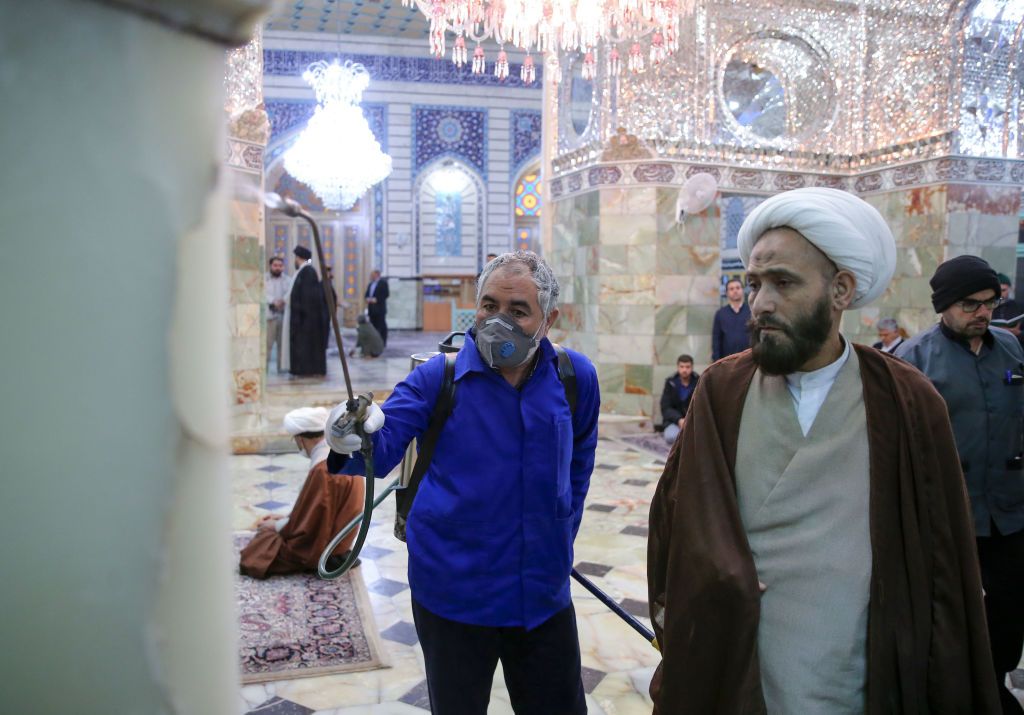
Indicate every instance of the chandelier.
{"type": "Point", "coordinates": [547, 26]}
{"type": "Point", "coordinates": [336, 155]}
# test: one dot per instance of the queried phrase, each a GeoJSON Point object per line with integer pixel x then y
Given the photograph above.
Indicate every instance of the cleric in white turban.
{"type": "Point", "coordinates": [306, 419]}
{"type": "Point", "coordinates": [845, 228]}
{"type": "Point", "coordinates": [810, 542]}
{"type": "Point", "coordinates": [293, 542]}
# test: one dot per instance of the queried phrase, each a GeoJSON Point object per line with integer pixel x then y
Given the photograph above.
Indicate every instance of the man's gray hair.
{"type": "Point", "coordinates": [525, 261]}
{"type": "Point", "coordinates": [888, 324]}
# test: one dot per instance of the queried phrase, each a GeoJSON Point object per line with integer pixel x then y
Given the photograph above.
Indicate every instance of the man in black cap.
{"type": "Point", "coordinates": [306, 320]}
{"type": "Point", "coordinates": [979, 371]}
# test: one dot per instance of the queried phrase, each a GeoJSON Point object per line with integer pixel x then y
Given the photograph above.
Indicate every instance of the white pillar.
{"type": "Point", "coordinates": [114, 516]}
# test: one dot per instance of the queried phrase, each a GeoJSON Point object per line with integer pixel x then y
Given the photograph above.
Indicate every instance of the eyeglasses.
{"type": "Point", "coordinates": [969, 305]}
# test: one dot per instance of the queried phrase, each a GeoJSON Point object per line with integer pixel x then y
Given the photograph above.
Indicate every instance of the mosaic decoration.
{"type": "Point", "coordinates": [481, 205]}
{"type": "Point", "coordinates": [384, 68]}
{"type": "Point", "coordinates": [448, 231]}
{"type": "Point", "coordinates": [527, 238]}
{"type": "Point", "coordinates": [351, 269]}
{"type": "Point", "coordinates": [243, 77]}
{"type": "Point", "coordinates": [448, 131]}
{"type": "Point", "coordinates": [327, 236]}
{"type": "Point", "coordinates": [389, 18]}
{"type": "Point", "coordinates": [280, 241]}
{"type": "Point", "coordinates": [527, 195]}
{"type": "Point", "coordinates": [764, 182]}
{"type": "Point", "coordinates": [305, 235]}
{"type": "Point", "coordinates": [526, 129]}
{"type": "Point", "coordinates": [819, 87]}
{"type": "Point", "coordinates": [290, 187]}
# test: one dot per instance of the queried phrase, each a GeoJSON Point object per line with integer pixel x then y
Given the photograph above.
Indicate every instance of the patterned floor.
{"type": "Point", "coordinates": [610, 549]}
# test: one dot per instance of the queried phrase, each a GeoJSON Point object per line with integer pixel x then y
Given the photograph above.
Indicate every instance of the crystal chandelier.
{"type": "Point", "coordinates": [547, 26]}
{"type": "Point", "coordinates": [336, 155]}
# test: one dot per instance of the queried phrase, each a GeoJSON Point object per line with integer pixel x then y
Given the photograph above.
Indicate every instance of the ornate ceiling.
{"type": "Point", "coordinates": [384, 18]}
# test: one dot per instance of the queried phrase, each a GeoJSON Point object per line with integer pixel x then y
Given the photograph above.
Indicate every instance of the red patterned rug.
{"type": "Point", "coordinates": [300, 626]}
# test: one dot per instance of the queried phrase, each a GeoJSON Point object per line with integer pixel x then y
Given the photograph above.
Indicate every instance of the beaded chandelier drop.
{"type": "Point", "coordinates": [337, 155]}
{"type": "Point", "coordinates": [547, 26]}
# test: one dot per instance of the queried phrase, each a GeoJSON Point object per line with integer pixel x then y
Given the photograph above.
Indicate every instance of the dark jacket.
{"type": "Point", "coordinates": [673, 407]}
{"type": "Point", "coordinates": [729, 334]}
{"type": "Point", "coordinates": [986, 414]}
{"type": "Point", "coordinates": [381, 293]}
{"type": "Point", "coordinates": [927, 640]}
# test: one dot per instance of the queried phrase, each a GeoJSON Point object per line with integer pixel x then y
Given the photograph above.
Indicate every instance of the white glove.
{"type": "Point", "coordinates": [347, 442]}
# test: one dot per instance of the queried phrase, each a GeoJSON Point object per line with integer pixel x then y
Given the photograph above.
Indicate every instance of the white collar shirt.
{"type": "Point", "coordinates": [809, 389]}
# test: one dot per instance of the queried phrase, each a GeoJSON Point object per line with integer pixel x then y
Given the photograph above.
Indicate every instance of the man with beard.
{"type": "Point", "coordinates": [491, 529]}
{"type": "Point", "coordinates": [979, 373]}
{"type": "Point", "coordinates": [811, 549]}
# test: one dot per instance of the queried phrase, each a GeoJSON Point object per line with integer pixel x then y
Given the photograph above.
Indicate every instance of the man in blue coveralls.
{"type": "Point", "coordinates": [491, 531]}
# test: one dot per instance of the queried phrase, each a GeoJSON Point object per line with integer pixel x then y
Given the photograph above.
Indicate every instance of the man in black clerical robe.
{"type": "Point", "coordinates": [307, 320]}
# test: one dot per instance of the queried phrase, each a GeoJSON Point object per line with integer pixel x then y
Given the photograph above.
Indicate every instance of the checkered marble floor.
{"type": "Point", "coordinates": [610, 550]}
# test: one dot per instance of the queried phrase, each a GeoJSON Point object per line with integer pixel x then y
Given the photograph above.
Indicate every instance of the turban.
{"type": "Point", "coordinates": [303, 253]}
{"type": "Point", "coordinates": [306, 419]}
{"type": "Point", "coordinates": [959, 277]}
{"type": "Point", "coordinates": [845, 228]}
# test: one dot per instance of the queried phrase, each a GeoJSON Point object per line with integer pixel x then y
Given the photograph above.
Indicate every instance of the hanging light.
{"type": "Point", "coordinates": [336, 155]}
{"type": "Point", "coordinates": [478, 60]}
{"type": "Point", "coordinates": [459, 51]}
{"type": "Point", "coordinates": [528, 73]}
{"type": "Point", "coordinates": [501, 66]}
{"type": "Point", "coordinates": [548, 25]}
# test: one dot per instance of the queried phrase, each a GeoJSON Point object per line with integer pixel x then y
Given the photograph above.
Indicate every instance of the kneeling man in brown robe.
{"type": "Point", "coordinates": [325, 505]}
{"type": "Point", "coordinates": [811, 546]}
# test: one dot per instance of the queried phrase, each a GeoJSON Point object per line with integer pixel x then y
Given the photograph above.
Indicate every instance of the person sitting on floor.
{"type": "Point", "coordinates": [675, 398]}
{"type": "Point", "coordinates": [326, 504]}
{"type": "Point", "coordinates": [368, 340]}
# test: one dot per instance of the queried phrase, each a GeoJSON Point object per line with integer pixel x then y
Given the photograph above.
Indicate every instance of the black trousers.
{"type": "Point", "coordinates": [1002, 576]}
{"type": "Point", "coordinates": [541, 667]}
{"type": "Point", "coordinates": [379, 321]}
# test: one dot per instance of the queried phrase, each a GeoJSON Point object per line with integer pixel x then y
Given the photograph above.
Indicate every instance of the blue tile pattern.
{"type": "Point", "coordinates": [271, 485]}
{"type": "Point", "coordinates": [402, 632]}
{"type": "Point", "coordinates": [384, 68]}
{"type": "Point", "coordinates": [271, 504]}
{"type": "Point", "coordinates": [278, 706]}
{"type": "Point", "coordinates": [449, 131]}
{"type": "Point", "coordinates": [526, 129]}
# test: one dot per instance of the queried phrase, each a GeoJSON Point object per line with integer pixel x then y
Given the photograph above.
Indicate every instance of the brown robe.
{"type": "Point", "coordinates": [326, 504]}
{"type": "Point", "coordinates": [927, 640]}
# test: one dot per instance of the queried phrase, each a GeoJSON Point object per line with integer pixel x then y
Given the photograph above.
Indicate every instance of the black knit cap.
{"type": "Point", "coordinates": [960, 277]}
{"type": "Point", "coordinates": [303, 253]}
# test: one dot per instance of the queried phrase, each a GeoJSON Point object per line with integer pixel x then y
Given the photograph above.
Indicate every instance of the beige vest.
{"type": "Point", "coordinates": [804, 505]}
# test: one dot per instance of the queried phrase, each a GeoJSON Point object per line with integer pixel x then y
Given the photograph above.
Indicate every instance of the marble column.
{"type": "Point", "coordinates": [246, 141]}
{"type": "Point", "coordinates": [639, 288]}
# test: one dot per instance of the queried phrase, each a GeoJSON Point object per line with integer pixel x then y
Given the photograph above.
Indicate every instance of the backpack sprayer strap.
{"type": "Point", "coordinates": [442, 408]}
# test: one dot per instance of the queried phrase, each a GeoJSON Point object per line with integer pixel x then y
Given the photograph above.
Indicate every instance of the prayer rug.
{"type": "Point", "coordinates": [300, 626]}
{"type": "Point", "coordinates": [651, 442]}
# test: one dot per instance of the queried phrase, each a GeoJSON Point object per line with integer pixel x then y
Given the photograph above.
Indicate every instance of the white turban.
{"type": "Point", "coordinates": [845, 228]}
{"type": "Point", "coordinates": [306, 419]}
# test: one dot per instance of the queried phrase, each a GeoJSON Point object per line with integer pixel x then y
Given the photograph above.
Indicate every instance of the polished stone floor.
{"type": "Point", "coordinates": [610, 549]}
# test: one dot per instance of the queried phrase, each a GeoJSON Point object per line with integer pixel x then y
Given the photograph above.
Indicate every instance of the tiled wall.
{"type": "Point", "coordinates": [246, 234]}
{"type": "Point", "coordinates": [639, 289]}
{"type": "Point", "coordinates": [431, 111]}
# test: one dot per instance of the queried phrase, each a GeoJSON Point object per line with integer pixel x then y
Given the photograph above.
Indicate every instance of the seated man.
{"type": "Point", "coordinates": [675, 398]}
{"type": "Point", "coordinates": [890, 335]}
{"type": "Point", "coordinates": [326, 504]}
{"type": "Point", "coordinates": [368, 340]}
